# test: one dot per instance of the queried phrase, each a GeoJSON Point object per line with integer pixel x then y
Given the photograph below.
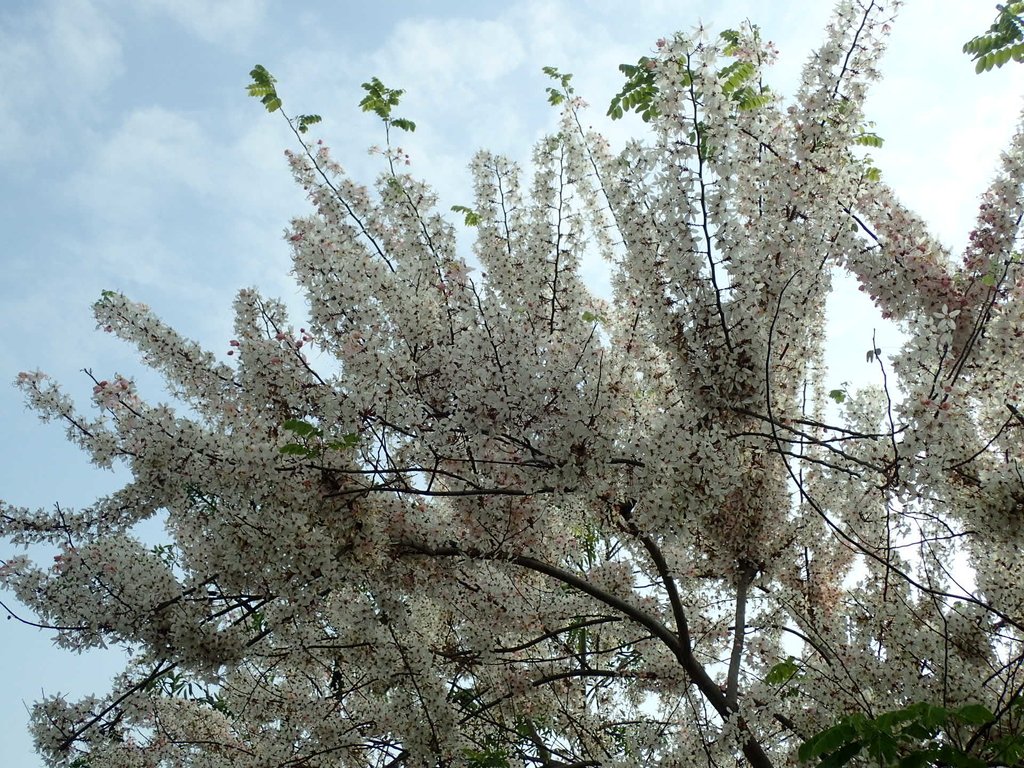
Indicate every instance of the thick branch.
{"type": "Point", "coordinates": [698, 675]}
{"type": "Point", "coordinates": [743, 580]}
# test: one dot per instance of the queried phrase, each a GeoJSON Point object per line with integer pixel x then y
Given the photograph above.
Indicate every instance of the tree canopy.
{"type": "Point", "coordinates": [469, 513]}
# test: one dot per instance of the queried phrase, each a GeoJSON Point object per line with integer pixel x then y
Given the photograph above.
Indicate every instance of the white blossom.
{"type": "Point", "coordinates": [497, 518]}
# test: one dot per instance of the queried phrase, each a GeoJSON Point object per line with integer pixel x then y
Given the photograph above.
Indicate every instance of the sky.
{"type": "Point", "coordinates": [132, 160]}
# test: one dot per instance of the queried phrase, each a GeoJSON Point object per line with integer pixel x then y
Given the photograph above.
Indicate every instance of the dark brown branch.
{"type": "Point", "coordinates": [753, 751]}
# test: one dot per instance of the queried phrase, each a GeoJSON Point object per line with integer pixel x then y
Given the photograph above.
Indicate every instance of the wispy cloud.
{"type": "Point", "coordinates": [225, 22]}
{"type": "Point", "coordinates": [152, 153]}
{"type": "Point", "coordinates": [55, 59]}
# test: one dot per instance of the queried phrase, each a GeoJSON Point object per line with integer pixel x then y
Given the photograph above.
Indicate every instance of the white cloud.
{"type": "Point", "coordinates": [452, 51]}
{"type": "Point", "coordinates": [83, 45]}
{"type": "Point", "coordinates": [152, 152]}
{"type": "Point", "coordinates": [54, 62]}
{"type": "Point", "coordinates": [230, 22]}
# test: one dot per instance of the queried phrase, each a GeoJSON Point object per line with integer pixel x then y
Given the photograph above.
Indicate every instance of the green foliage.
{"type": "Point", "coordinates": [470, 217]}
{"type": "Point", "coordinates": [302, 428]}
{"type": "Point", "coordinates": [179, 685]}
{"type": "Point", "coordinates": [351, 440]}
{"type": "Point", "coordinates": [295, 449]}
{"type": "Point", "coordinates": [380, 100]}
{"type": "Point", "coordinates": [263, 88]}
{"type": "Point", "coordinates": [313, 445]}
{"type": "Point", "coordinates": [556, 96]}
{"type": "Point", "coordinates": [747, 100]}
{"type": "Point", "coordinates": [257, 623]}
{"type": "Point", "coordinates": [736, 84]}
{"type": "Point", "coordinates": [735, 75]}
{"type": "Point", "coordinates": [1003, 41]}
{"type": "Point", "coordinates": [166, 554]}
{"type": "Point", "coordinates": [304, 121]}
{"type": "Point", "coordinates": [785, 676]}
{"type": "Point", "coordinates": [491, 756]}
{"type": "Point", "coordinates": [640, 92]}
{"type": "Point", "coordinates": [732, 41]}
{"type": "Point", "coordinates": [839, 395]}
{"type": "Point", "coordinates": [868, 139]}
{"type": "Point", "coordinates": [782, 672]}
{"type": "Point", "coordinates": [912, 737]}
{"type": "Point", "coordinates": [997, 273]}
{"type": "Point", "coordinates": [106, 297]}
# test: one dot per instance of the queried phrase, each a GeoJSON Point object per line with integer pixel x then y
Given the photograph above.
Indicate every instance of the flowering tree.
{"type": "Point", "coordinates": [494, 520]}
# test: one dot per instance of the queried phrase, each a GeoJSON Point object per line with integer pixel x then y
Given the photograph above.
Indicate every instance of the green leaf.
{"type": "Point", "coordinates": [380, 99]}
{"type": "Point", "coordinates": [348, 441]}
{"type": "Point", "coordinates": [828, 740]}
{"type": "Point", "coordinates": [841, 756]}
{"type": "Point", "coordinates": [256, 621]}
{"type": "Point", "coordinates": [564, 80]}
{"type": "Point", "coordinates": [639, 93]}
{"type": "Point", "coordinates": [782, 672]}
{"type": "Point", "coordinates": [1001, 41]}
{"type": "Point", "coordinates": [294, 449]}
{"type": "Point", "coordinates": [839, 395]}
{"type": "Point", "coordinates": [470, 217]}
{"type": "Point", "coordinates": [301, 428]}
{"type": "Point", "coordinates": [220, 705]}
{"type": "Point", "coordinates": [262, 87]}
{"type": "Point", "coordinates": [555, 97]}
{"type": "Point", "coordinates": [887, 720]}
{"type": "Point", "coordinates": [869, 140]}
{"type": "Point", "coordinates": [1008, 750]}
{"type": "Point", "coordinates": [304, 121]}
{"type": "Point", "coordinates": [489, 757]}
{"type": "Point", "coordinates": [260, 75]}
{"type": "Point", "coordinates": [954, 757]}
{"type": "Point", "coordinates": [974, 714]}
{"type": "Point", "coordinates": [732, 40]}
{"type": "Point", "coordinates": [735, 75]}
{"type": "Point", "coordinates": [754, 101]}
{"type": "Point", "coordinates": [916, 759]}
{"type": "Point", "coordinates": [882, 747]}
{"type": "Point", "coordinates": [927, 714]}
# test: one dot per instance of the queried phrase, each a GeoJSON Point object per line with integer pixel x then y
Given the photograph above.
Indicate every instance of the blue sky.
{"type": "Point", "coordinates": [132, 160]}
